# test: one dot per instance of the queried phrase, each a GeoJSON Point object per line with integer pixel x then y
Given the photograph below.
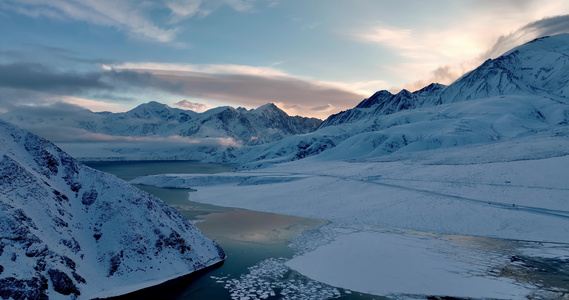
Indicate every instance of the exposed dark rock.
{"type": "Point", "coordinates": [115, 263]}
{"type": "Point", "coordinates": [71, 244]}
{"type": "Point", "coordinates": [89, 197]}
{"type": "Point", "coordinates": [62, 283]}
{"type": "Point", "coordinates": [17, 289]}
{"type": "Point", "coordinates": [78, 278]}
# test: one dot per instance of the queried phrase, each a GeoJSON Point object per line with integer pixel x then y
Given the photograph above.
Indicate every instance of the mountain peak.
{"type": "Point", "coordinates": [269, 105]}
{"type": "Point", "coordinates": [269, 108]}
{"type": "Point", "coordinates": [151, 110]}
{"type": "Point", "coordinates": [430, 88]}
{"type": "Point", "coordinates": [377, 98]}
{"type": "Point", "coordinates": [553, 43]}
{"type": "Point", "coordinates": [152, 105]}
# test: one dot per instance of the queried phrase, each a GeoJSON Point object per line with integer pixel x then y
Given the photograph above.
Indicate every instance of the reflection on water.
{"type": "Point", "coordinates": [252, 241]}
{"type": "Point", "coordinates": [250, 226]}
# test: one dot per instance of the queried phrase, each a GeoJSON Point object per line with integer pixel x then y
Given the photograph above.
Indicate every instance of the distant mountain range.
{"type": "Point", "coordinates": [523, 92]}
{"type": "Point", "coordinates": [157, 131]}
{"type": "Point", "coordinates": [68, 231]}
{"type": "Point", "coordinates": [250, 127]}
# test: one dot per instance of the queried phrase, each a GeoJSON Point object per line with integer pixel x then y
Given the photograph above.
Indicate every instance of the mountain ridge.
{"type": "Point", "coordinates": [67, 230]}
{"type": "Point", "coordinates": [521, 93]}
{"type": "Point", "coordinates": [513, 73]}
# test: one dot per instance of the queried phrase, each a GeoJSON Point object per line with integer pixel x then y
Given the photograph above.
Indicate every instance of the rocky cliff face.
{"type": "Point", "coordinates": [67, 230]}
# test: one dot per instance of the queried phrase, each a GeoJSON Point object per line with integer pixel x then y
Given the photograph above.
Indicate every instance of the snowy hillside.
{"type": "Point", "coordinates": [518, 94]}
{"type": "Point", "coordinates": [68, 230]}
{"type": "Point", "coordinates": [540, 67]}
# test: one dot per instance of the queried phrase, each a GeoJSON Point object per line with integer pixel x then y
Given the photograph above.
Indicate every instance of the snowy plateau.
{"type": "Point", "coordinates": [68, 231]}
{"type": "Point", "coordinates": [420, 188]}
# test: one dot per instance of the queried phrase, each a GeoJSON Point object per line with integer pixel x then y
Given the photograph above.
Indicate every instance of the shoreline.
{"type": "Point", "coordinates": [157, 290]}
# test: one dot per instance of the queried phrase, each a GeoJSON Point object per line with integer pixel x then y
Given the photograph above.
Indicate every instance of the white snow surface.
{"type": "Point", "coordinates": [515, 189]}
{"type": "Point", "coordinates": [388, 263]}
{"type": "Point", "coordinates": [67, 230]}
{"type": "Point", "coordinates": [472, 190]}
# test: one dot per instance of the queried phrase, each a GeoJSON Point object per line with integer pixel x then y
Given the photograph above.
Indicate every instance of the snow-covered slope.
{"type": "Point", "coordinates": [540, 67]}
{"type": "Point", "coordinates": [67, 230]}
{"type": "Point", "coordinates": [518, 94]}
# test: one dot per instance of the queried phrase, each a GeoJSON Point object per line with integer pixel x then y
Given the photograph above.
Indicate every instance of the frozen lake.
{"type": "Point", "coordinates": [397, 264]}
{"type": "Point", "coordinates": [256, 243]}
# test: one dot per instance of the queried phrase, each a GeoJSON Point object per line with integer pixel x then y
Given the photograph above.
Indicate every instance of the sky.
{"type": "Point", "coordinates": [310, 58]}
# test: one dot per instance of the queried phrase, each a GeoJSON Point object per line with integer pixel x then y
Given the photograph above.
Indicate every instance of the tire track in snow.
{"type": "Point", "coordinates": [530, 209]}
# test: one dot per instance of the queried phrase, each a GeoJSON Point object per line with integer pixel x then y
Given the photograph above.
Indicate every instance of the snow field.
{"type": "Point", "coordinates": [476, 191]}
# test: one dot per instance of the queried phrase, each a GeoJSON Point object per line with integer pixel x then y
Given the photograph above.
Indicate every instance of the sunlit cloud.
{"type": "Point", "coordinates": [194, 106]}
{"type": "Point", "coordinates": [93, 105]}
{"type": "Point", "coordinates": [252, 86]}
{"type": "Point", "coordinates": [428, 53]}
{"type": "Point", "coordinates": [170, 68]}
{"type": "Point", "coordinates": [448, 73]}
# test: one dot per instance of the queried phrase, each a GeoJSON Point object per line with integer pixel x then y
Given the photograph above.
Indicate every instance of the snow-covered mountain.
{"type": "Point", "coordinates": [67, 230]}
{"type": "Point", "coordinates": [540, 67]}
{"type": "Point", "coordinates": [520, 93]}
{"type": "Point", "coordinates": [250, 127]}
{"type": "Point", "coordinates": [157, 131]}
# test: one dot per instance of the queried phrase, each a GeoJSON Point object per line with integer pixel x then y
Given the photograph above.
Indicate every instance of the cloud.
{"type": "Point", "coordinates": [447, 74]}
{"type": "Point", "coordinates": [183, 9]}
{"type": "Point", "coordinates": [42, 78]}
{"type": "Point", "coordinates": [214, 85]}
{"type": "Point", "coordinates": [57, 122]}
{"type": "Point", "coordinates": [33, 76]}
{"type": "Point", "coordinates": [422, 44]}
{"type": "Point", "coordinates": [250, 86]}
{"type": "Point", "coordinates": [170, 68]}
{"type": "Point", "coordinates": [124, 15]}
{"type": "Point", "coordinates": [546, 26]}
{"type": "Point", "coordinates": [195, 106]}
{"type": "Point", "coordinates": [325, 107]}
{"type": "Point", "coordinates": [131, 16]}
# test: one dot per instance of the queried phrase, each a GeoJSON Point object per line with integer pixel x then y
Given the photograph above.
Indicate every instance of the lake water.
{"type": "Point", "coordinates": [255, 243]}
